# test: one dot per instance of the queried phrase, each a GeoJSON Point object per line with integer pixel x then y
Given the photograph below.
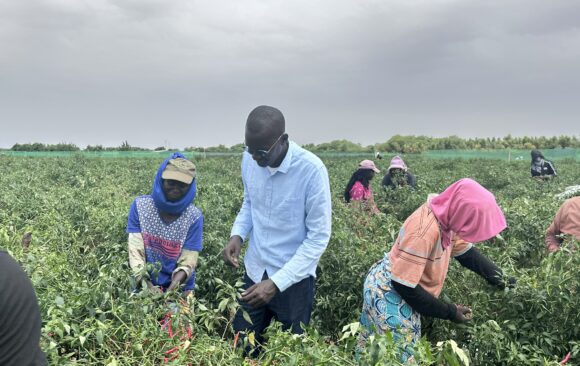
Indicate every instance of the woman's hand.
{"type": "Point", "coordinates": [153, 289]}
{"type": "Point", "coordinates": [177, 280]}
{"type": "Point", "coordinates": [463, 314]}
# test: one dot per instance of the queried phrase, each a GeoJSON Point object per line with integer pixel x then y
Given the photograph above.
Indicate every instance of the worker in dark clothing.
{"type": "Point", "coordinates": [399, 175]}
{"type": "Point", "coordinates": [540, 167]}
{"type": "Point", "coordinates": [20, 321]}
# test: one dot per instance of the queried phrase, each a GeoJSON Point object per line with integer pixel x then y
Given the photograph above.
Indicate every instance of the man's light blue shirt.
{"type": "Point", "coordinates": [287, 215]}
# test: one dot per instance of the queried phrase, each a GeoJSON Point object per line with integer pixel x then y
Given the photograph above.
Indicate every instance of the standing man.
{"type": "Point", "coordinates": [286, 213]}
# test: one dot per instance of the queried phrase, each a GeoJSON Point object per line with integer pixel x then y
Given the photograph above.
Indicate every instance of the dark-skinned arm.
{"type": "Point", "coordinates": [425, 303]}
{"type": "Point", "coordinates": [178, 278]}
{"type": "Point", "coordinates": [483, 266]}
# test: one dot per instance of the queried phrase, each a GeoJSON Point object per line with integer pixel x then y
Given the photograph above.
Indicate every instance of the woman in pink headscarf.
{"type": "Point", "coordinates": [407, 282]}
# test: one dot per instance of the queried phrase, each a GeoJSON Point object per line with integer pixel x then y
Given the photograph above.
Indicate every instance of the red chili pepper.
{"type": "Point", "coordinates": [166, 319]}
{"type": "Point", "coordinates": [566, 359]}
{"type": "Point", "coordinates": [172, 350]}
{"type": "Point", "coordinates": [236, 339]}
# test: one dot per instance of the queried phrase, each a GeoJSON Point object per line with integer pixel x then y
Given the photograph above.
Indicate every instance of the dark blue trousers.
{"type": "Point", "coordinates": [290, 307]}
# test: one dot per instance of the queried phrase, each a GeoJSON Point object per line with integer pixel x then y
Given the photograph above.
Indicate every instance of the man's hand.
{"type": "Point", "coordinates": [463, 314]}
{"type": "Point", "coordinates": [260, 293]}
{"type": "Point", "coordinates": [231, 252]}
{"type": "Point", "coordinates": [177, 280]}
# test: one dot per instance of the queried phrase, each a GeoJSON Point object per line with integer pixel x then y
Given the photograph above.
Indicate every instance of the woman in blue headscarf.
{"type": "Point", "coordinates": [165, 229]}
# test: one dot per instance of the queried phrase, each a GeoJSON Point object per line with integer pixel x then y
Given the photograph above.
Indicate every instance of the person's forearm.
{"type": "Point", "coordinates": [296, 269]}
{"type": "Point", "coordinates": [187, 263]}
{"type": "Point", "coordinates": [177, 279]}
{"type": "Point", "coordinates": [552, 243]}
{"type": "Point", "coordinates": [243, 223]}
{"type": "Point", "coordinates": [425, 303]}
{"type": "Point", "coordinates": [480, 264]}
{"type": "Point", "coordinates": [551, 240]}
{"type": "Point", "coordinates": [136, 250]}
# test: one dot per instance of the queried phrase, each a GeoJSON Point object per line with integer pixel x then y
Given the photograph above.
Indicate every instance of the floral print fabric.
{"type": "Point", "coordinates": [384, 310]}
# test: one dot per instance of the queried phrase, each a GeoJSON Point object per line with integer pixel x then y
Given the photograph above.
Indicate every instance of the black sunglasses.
{"type": "Point", "coordinates": [262, 154]}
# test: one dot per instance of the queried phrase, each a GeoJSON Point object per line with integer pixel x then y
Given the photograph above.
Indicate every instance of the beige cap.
{"type": "Point", "coordinates": [179, 169]}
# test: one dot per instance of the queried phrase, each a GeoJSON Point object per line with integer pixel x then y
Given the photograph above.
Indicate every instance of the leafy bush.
{"type": "Point", "coordinates": [76, 209]}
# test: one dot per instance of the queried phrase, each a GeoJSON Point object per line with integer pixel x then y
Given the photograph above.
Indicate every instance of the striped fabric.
{"type": "Point", "coordinates": [417, 256]}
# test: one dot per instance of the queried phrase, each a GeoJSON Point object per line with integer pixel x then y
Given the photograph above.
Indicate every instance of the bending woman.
{"type": "Point", "coordinates": [407, 282]}
{"type": "Point", "coordinates": [359, 188]}
{"type": "Point", "coordinates": [567, 222]}
{"type": "Point", "coordinates": [540, 167]}
{"type": "Point", "coordinates": [165, 228]}
{"type": "Point", "coordinates": [398, 175]}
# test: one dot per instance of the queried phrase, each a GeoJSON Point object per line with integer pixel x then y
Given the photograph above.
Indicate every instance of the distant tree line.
{"type": "Point", "coordinates": [417, 144]}
{"type": "Point", "coordinates": [123, 147]}
{"type": "Point", "coordinates": [339, 146]}
{"type": "Point", "coordinates": [414, 144]}
{"type": "Point", "coordinates": [37, 146]}
{"type": "Point", "coordinates": [397, 143]}
{"type": "Point", "coordinates": [220, 148]}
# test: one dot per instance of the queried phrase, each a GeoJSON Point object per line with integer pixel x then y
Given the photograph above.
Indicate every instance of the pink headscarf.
{"type": "Point", "coordinates": [468, 210]}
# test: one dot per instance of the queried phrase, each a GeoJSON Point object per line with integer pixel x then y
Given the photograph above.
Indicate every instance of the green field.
{"type": "Point", "coordinates": [496, 154]}
{"type": "Point", "coordinates": [76, 208]}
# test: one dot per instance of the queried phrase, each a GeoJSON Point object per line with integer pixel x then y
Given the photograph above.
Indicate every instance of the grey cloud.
{"type": "Point", "coordinates": [106, 71]}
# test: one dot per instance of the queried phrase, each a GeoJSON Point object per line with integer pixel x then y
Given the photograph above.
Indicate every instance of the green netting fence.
{"type": "Point", "coordinates": [504, 154]}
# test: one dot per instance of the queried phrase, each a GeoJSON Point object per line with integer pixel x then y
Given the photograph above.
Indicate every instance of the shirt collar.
{"type": "Point", "coordinates": [288, 158]}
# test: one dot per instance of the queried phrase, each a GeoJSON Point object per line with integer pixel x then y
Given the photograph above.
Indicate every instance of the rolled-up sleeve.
{"type": "Point", "coordinates": [136, 249]}
{"type": "Point", "coordinates": [187, 260]}
{"type": "Point", "coordinates": [318, 224]}
{"type": "Point", "coordinates": [243, 223]}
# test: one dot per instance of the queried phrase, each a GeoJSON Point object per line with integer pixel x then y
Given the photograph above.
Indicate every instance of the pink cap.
{"type": "Point", "coordinates": [397, 162]}
{"type": "Point", "coordinates": [368, 164]}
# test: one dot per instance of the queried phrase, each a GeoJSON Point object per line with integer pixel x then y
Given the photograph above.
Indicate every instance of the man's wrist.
{"type": "Point", "coordinates": [274, 285]}
{"type": "Point", "coordinates": [281, 281]}
{"type": "Point", "coordinates": [237, 237]}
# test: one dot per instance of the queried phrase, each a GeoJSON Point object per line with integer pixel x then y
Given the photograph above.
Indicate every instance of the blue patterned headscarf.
{"type": "Point", "coordinates": [164, 205]}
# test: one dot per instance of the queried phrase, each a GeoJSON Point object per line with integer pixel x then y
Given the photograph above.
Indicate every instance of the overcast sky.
{"type": "Point", "coordinates": [188, 72]}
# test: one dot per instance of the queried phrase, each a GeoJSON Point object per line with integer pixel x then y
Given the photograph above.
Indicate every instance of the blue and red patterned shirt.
{"type": "Point", "coordinates": [164, 242]}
